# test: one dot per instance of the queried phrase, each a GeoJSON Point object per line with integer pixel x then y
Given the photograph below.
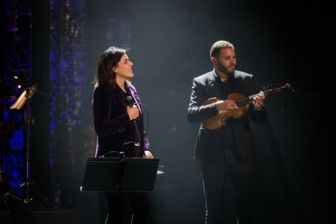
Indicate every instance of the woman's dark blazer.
{"type": "Point", "coordinates": [113, 127]}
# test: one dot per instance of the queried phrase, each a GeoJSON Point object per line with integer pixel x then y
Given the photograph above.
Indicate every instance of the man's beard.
{"type": "Point", "coordinates": [225, 70]}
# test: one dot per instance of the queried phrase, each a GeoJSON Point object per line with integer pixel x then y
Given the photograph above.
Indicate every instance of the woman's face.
{"type": "Point", "coordinates": [123, 69]}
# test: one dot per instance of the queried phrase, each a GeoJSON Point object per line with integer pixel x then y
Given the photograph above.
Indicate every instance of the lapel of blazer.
{"type": "Point", "coordinates": [212, 78]}
{"type": "Point", "coordinates": [213, 83]}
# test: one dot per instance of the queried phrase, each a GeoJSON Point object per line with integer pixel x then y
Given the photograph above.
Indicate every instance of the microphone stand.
{"type": "Point", "coordinates": [28, 118]}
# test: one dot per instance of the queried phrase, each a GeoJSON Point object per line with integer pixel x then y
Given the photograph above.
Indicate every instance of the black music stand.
{"type": "Point", "coordinates": [113, 174]}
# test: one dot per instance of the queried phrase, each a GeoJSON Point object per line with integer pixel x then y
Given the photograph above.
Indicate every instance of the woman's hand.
{"type": "Point", "coordinates": [148, 155]}
{"type": "Point", "coordinates": [133, 112]}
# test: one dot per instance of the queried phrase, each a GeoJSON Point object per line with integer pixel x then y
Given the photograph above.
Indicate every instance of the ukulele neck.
{"type": "Point", "coordinates": [245, 100]}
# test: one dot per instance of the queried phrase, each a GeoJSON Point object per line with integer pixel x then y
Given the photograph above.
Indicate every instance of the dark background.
{"type": "Point", "coordinates": [286, 41]}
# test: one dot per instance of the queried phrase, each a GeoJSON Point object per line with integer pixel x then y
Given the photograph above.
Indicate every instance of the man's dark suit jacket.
{"type": "Point", "coordinates": [209, 141]}
{"type": "Point", "coordinates": [112, 124]}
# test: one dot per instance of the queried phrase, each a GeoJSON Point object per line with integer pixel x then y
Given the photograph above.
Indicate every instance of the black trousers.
{"type": "Point", "coordinates": [229, 191]}
{"type": "Point", "coordinates": [128, 207]}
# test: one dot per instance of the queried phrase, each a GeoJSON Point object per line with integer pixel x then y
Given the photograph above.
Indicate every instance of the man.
{"type": "Point", "coordinates": [225, 146]}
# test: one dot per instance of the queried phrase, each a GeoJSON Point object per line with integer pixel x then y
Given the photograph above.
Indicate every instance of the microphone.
{"type": "Point", "coordinates": [130, 100]}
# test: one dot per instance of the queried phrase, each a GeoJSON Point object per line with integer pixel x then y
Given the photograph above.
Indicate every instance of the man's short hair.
{"type": "Point", "coordinates": [218, 45]}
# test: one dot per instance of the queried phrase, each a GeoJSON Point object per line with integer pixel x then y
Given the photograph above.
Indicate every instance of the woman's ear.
{"type": "Point", "coordinates": [114, 69]}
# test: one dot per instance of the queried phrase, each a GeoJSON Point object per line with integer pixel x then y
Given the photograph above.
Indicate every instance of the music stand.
{"type": "Point", "coordinates": [120, 175]}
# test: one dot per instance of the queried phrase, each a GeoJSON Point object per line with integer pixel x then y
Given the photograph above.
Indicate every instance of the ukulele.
{"type": "Point", "coordinates": [241, 101]}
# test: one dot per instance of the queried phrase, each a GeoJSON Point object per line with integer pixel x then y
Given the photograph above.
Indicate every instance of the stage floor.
{"type": "Point", "coordinates": [26, 216]}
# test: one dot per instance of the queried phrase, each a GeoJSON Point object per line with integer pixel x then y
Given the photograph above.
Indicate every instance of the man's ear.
{"type": "Point", "coordinates": [213, 60]}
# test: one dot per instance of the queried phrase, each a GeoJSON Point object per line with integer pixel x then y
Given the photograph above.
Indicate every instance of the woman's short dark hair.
{"type": "Point", "coordinates": [108, 59]}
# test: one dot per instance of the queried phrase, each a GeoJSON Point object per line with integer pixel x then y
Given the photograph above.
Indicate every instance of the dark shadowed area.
{"type": "Point", "coordinates": [169, 44]}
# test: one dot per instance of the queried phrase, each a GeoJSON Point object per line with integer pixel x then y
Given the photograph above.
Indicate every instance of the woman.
{"type": "Point", "coordinates": [119, 126]}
